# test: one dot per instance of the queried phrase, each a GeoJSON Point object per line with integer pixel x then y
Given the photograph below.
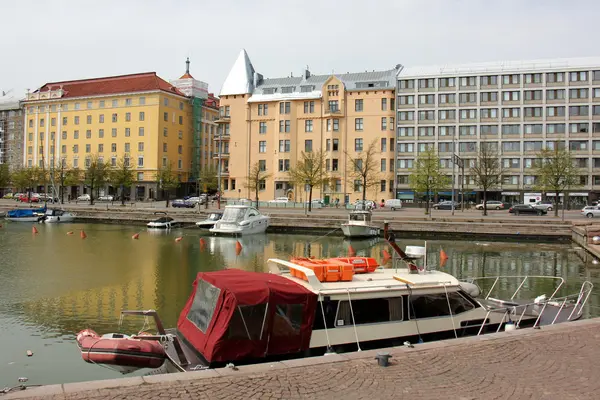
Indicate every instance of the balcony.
{"type": "Point", "coordinates": [223, 119]}
{"type": "Point", "coordinates": [219, 138]}
{"type": "Point", "coordinates": [333, 111]}
{"type": "Point", "coordinates": [223, 155]}
{"type": "Point", "coordinates": [225, 173]}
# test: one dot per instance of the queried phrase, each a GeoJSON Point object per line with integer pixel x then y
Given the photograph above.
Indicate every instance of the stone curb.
{"type": "Point", "coordinates": [258, 369]}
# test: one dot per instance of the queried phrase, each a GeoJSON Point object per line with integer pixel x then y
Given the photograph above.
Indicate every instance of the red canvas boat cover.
{"type": "Point", "coordinates": [234, 314]}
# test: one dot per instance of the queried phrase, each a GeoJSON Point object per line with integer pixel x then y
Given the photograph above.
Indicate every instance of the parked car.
{"type": "Point", "coordinates": [196, 200]}
{"type": "Point", "coordinates": [280, 200]}
{"type": "Point", "coordinates": [106, 197]}
{"type": "Point", "coordinates": [316, 203]}
{"type": "Point", "coordinates": [47, 197]}
{"type": "Point", "coordinates": [591, 211]}
{"type": "Point", "coordinates": [84, 197]}
{"type": "Point", "coordinates": [8, 196]}
{"type": "Point", "coordinates": [393, 204]}
{"type": "Point", "coordinates": [34, 198]}
{"type": "Point", "coordinates": [180, 203]}
{"type": "Point", "coordinates": [526, 209]}
{"type": "Point", "coordinates": [446, 205]}
{"type": "Point", "coordinates": [491, 205]}
{"type": "Point", "coordinates": [545, 205]}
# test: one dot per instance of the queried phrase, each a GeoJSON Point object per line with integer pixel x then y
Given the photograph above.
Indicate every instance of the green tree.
{"type": "Point", "coordinates": [122, 176]}
{"type": "Point", "coordinates": [167, 180]}
{"type": "Point", "coordinates": [426, 175]}
{"type": "Point", "coordinates": [364, 169]}
{"type": "Point", "coordinates": [208, 178]}
{"type": "Point", "coordinates": [5, 176]}
{"type": "Point", "coordinates": [310, 171]}
{"type": "Point", "coordinates": [28, 178]}
{"type": "Point", "coordinates": [256, 179]}
{"type": "Point", "coordinates": [66, 177]}
{"type": "Point", "coordinates": [487, 171]}
{"type": "Point", "coordinates": [96, 175]}
{"type": "Point", "coordinates": [555, 172]}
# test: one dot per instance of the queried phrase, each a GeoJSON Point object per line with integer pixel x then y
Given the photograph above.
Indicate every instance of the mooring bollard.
{"type": "Point", "coordinates": [385, 229]}
{"type": "Point", "coordinates": [383, 359]}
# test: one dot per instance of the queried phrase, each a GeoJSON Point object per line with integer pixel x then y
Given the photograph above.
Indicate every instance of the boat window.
{"type": "Point", "coordinates": [287, 319]}
{"type": "Point", "coordinates": [204, 304]}
{"type": "Point", "coordinates": [247, 322]}
{"type": "Point", "coordinates": [214, 217]}
{"type": "Point", "coordinates": [357, 217]}
{"type": "Point", "coordinates": [233, 214]}
{"type": "Point", "coordinates": [329, 309]}
{"type": "Point", "coordinates": [436, 305]}
{"type": "Point", "coordinates": [252, 213]}
{"type": "Point", "coordinates": [370, 311]}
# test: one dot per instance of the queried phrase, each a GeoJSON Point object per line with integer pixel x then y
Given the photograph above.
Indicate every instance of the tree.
{"type": "Point", "coordinates": [5, 177]}
{"type": "Point", "coordinates": [167, 180]}
{"type": "Point", "coordinates": [364, 169]}
{"type": "Point", "coordinates": [256, 179]}
{"type": "Point", "coordinates": [310, 171]}
{"type": "Point", "coordinates": [27, 178]}
{"type": "Point", "coordinates": [555, 172]}
{"type": "Point", "coordinates": [487, 171]}
{"type": "Point", "coordinates": [96, 175]}
{"type": "Point", "coordinates": [426, 175]}
{"type": "Point", "coordinates": [122, 176]}
{"type": "Point", "coordinates": [66, 177]}
{"type": "Point", "coordinates": [208, 178]}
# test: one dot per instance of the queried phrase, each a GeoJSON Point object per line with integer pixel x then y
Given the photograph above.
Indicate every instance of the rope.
{"type": "Point", "coordinates": [324, 321]}
{"type": "Point", "coordinates": [317, 239]}
{"type": "Point", "coordinates": [353, 322]}
{"type": "Point", "coordinates": [450, 310]}
{"type": "Point", "coordinates": [410, 304]}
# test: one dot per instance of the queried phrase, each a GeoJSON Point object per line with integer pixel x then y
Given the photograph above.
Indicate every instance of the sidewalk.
{"type": "Point", "coordinates": [556, 362]}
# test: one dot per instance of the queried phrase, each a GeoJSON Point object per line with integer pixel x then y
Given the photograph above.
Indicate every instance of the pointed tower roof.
{"type": "Point", "coordinates": [240, 78]}
{"type": "Point", "coordinates": [187, 74]}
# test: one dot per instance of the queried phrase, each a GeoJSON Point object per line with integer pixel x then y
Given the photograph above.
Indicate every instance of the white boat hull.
{"type": "Point", "coordinates": [54, 219]}
{"type": "Point", "coordinates": [252, 228]}
{"type": "Point", "coordinates": [351, 230]}
{"type": "Point", "coordinates": [206, 225]}
{"type": "Point", "coordinates": [160, 225]}
{"type": "Point", "coordinates": [24, 219]}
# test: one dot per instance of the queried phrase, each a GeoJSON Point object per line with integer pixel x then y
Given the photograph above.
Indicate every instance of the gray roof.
{"type": "Point", "coordinates": [9, 101]}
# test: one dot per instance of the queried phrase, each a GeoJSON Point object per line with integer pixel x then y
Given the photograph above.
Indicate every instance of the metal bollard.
{"type": "Point", "coordinates": [383, 359]}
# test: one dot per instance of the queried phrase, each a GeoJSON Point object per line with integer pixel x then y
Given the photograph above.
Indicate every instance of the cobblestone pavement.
{"type": "Point", "coordinates": [559, 362]}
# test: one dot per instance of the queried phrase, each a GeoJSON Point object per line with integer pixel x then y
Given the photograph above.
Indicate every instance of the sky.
{"type": "Point", "coordinates": [48, 41]}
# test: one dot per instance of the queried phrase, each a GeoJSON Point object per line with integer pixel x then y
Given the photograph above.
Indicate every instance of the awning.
{"type": "Point", "coordinates": [510, 193]}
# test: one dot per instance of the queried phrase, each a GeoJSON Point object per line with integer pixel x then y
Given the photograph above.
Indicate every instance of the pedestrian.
{"type": "Point", "coordinates": [337, 202]}
{"type": "Point", "coordinates": [382, 204]}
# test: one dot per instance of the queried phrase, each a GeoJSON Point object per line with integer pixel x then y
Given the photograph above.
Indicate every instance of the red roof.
{"type": "Point", "coordinates": [186, 76]}
{"type": "Point", "coordinates": [212, 101]}
{"type": "Point", "coordinates": [143, 82]}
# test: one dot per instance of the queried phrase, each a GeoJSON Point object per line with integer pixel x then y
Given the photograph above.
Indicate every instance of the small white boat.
{"type": "Point", "coordinates": [211, 220]}
{"type": "Point", "coordinates": [25, 214]}
{"type": "Point", "coordinates": [359, 225]}
{"type": "Point", "coordinates": [164, 222]}
{"type": "Point", "coordinates": [54, 216]}
{"type": "Point", "coordinates": [241, 220]}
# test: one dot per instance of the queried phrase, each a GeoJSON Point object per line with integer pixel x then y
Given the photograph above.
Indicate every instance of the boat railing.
{"type": "Point", "coordinates": [523, 279]}
{"type": "Point", "coordinates": [511, 310]}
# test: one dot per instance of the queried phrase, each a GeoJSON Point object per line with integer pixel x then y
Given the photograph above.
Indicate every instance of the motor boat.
{"type": "Point", "coordinates": [54, 215]}
{"type": "Point", "coordinates": [210, 221]}
{"type": "Point", "coordinates": [164, 222]}
{"type": "Point", "coordinates": [359, 225]}
{"type": "Point", "coordinates": [241, 220]}
{"type": "Point", "coordinates": [308, 307]}
{"type": "Point", "coordinates": [26, 214]}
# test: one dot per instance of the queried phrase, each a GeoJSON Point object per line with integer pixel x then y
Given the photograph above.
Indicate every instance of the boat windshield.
{"type": "Point", "coordinates": [233, 214]}
{"type": "Point", "coordinates": [214, 217]}
{"type": "Point", "coordinates": [358, 217]}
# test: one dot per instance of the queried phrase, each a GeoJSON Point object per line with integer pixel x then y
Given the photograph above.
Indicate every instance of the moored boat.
{"type": "Point", "coordinates": [53, 216]}
{"type": "Point", "coordinates": [359, 225]}
{"type": "Point", "coordinates": [210, 220]}
{"type": "Point", "coordinates": [26, 214]}
{"type": "Point", "coordinates": [240, 220]}
{"type": "Point", "coordinates": [164, 222]}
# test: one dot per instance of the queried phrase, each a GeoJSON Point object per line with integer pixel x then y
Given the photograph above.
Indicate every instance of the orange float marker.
{"type": "Point", "coordinates": [443, 257]}
{"type": "Point", "coordinates": [70, 233]}
{"type": "Point", "coordinates": [202, 244]}
{"type": "Point", "coordinates": [82, 234]}
{"type": "Point", "coordinates": [351, 251]}
{"type": "Point", "coordinates": [238, 247]}
{"type": "Point", "coordinates": [136, 236]}
{"type": "Point", "coordinates": [34, 230]}
{"type": "Point", "coordinates": [386, 256]}
{"type": "Point", "coordinates": [178, 239]}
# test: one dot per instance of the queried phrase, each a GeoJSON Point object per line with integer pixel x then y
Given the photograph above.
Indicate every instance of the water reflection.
{"type": "Point", "coordinates": [57, 284]}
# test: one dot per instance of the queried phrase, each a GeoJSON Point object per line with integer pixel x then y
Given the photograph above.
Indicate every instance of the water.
{"type": "Point", "coordinates": [54, 284]}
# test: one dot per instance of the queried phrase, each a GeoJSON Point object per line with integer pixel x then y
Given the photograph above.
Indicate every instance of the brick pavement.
{"type": "Point", "coordinates": [558, 362]}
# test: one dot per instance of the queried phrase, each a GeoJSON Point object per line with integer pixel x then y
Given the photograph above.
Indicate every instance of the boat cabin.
{"type": "Point", "coordinates": [360, 217]}
{"type": "Point", "coordinates": [214, 216]}
{"type": "Point", "coordinates": [237, 214]}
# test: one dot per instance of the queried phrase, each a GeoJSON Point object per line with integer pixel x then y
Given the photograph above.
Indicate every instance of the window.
{"type": "Point", "coordinates": [407, 84]}
{"type": "Point", "coordinates": [489, 97]}
{"type": "Point", "coordinates": [309, 107]}
{"type": "Point", "coordinates": [406, 131]}
{"type": "Point", "coordinates": [64, 135]}
{"type": "Point", "coordinates": [180, 133]}
{"type": "Point", "coordinates": [383, 144]}
{"type": "Point", "coordinates": [284, 165]}
{"type": "Point", "coordinates": [100, 148]}
{"type": "Point", "coordinates": [140, 161]}
{"type": "Point", "coordinates": [336, 124]}
{"type": "Point", "coordinates": [141, 131]}
{"type": "Point", "coordinates": [262, 146]}
{"type": "Point", "coordinates": [383, 123]}
{"type": "Point", "coordinates": [308, 125]}
{"type": "Point", "coordinates": [511, 162]}
{"type": "Point", "coordinates": [555, 144]}
{"type": "Point", "coordinates": [142, 116]}
{"type": "Point", "coordinates": [333, 106]}
{"type": "Point", "coordinates": [491, 80]}
{"type": "Point", "coordinates": [555, 111]}
{"type": "Point", "coordinates": [335, 146]}
{"type": "Point", "coordinates": [468, 98]}
{"type": "Point", "coordinates": [406, 148]}
{"type": "Point", "coordinates": [510, 96]}
{"type": "Point", "coordinates": [555, 77]}
{"type": "Point", "coordinates": [383, 164]}
{"type": "Point", "coordinates": [64, 121]}
{"type": "Point", "coordinates": [263, 109]}
{"type": "Point", "coordinates": [533, 78]}
{"type": "Point", "coordinates": [557, 94]}
{"type": "Point", "coordinates": [308, 146]}
{"type": "Point", "coordinates": [578, 110]}
{"type": "Point", "coordinates": [468, 114]}
{"type": "Point", "coordinates": [532, 146]}
{"type": "Point", "coordinates": [284, 107]}
{"type": "Point", "coordinates": [467, 147]}
{"type": "Point", "coordinates": [284, 146]}
{"type": "Point", "coordinates": [140, 146]}
{"type": "Point", "coordinates": [358, 164]}
{"type": "Point", "coordinates": [447, 130]}
{"type": "Point", "coordinates": [427, 115]}
{"type": "Point", "coordinates": [489, 113]}
{"type": "Point", "coordinates": [113, 132]}
{"type": "Point", "coordinates": [427, 131]}
{"type": "Point", "coordinates": [384, 104]}
{"type": "Point", "coordinates": [427, 83]}
{"type": "Point", "coordinates": [166, 116]}
{"type": "Point", "coordinates": [468, 81]}
{"type": "Point", "coordinates": [75, 134]}
{"type": "Point", "coordinates": [127, 147]}
{"type": "Point", "coordinates": [446, 82]}
{"type": "Point", "coordinates": [577, 145]}
{"type": "Point", "coordinates": [533, 129]}
{"type": "Point", "coordinates": [262, 127]}
{"type": "Point", "coordinates": [406, 100]}
{"type": "Point", "coordinates": [357, 185]}
{"type": "Point", "coordinates": [164, 147]}
{"type": "Point", "coordinates": [436, 305]}
{"type": "Point", "coordinates": [284, 126]}
{"type": "Point", "coordinates": [405, 164]}
{"type": "Point", "coordinates": [88, 134]}
{"type": "Point", "coordinates": [469, 130]}
{"type": "Point", "coordinates": [427, 99]}
{"type": "Point", "coordinates": [76, 120]}
{"type": "Point", "coordinates": [358, 144]}
{"type": "Point", "coordinates": [358, 105]}
{"type": "Point", "coordinates": [579, 128]}
{"type": "Point", "coordinates": [578, 76]}
{"type": "Point", "coordinates": [88, 148]}
{"type": "Point", "coordinates": [578, 94]}
{"type": "Point", "coordinates": [165, 132]}
{"type": "Point", "coordinates": [358, 124]}
{"type": "Point", "coordinates": [511, 129]}
{"type": "Point", "coordinates": [511, 112]}
{"type": "Point", "coordinates": [489, 129]}
{"type": "Point", "coordinates": [382, 185]}
{"type": "Point", "coordinates": [510, 79]}
{"type": "Point", "coordinates": [511, 146]}
{"type": "Point", "coordinates": [63, 149]}
{"type": "Point", "coordinates": [334, 164]}
{"type": "Point", "coordinates": [530, 95]}
{"type": "Point", "coordinates": [391, 123]}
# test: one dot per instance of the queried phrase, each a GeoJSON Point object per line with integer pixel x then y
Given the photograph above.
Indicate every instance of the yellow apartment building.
{"type": "Point", "coordinates": [141, 117]}
{"type": "Point", "coordinates": [272, 121]}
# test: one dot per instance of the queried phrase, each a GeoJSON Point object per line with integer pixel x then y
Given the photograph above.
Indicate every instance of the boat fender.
{"type": "Point", "coordinates": [471, 288]}
{"type": "Point", "coordinates": [510, 326]}
{"type": "Point", "coordinates": [539, 299]}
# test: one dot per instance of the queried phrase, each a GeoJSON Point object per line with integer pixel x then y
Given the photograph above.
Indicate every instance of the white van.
{"type": "Point", "coordinates": [393, 204]}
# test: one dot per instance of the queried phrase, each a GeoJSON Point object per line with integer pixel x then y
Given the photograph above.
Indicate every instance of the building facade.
{"type": "Point", "coordinates": [141, 118]}
{"type": "Point", "coordinates": [518, 107]}
{"type": "Point", "coordinates": [11, 131]}
{"type": "Point", "coordinates": [270, 122]}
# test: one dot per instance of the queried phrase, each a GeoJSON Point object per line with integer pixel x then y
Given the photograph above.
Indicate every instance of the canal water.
{"type": "Point", "coordinates": [53, 284]}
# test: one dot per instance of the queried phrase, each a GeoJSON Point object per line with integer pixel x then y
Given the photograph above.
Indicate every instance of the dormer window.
{"type": "Point", "coordinates": [269, 90]}
{"type": "Point", "coordinates": [288, 89]}
{"type": "Point", "coordinates": [306, 89]}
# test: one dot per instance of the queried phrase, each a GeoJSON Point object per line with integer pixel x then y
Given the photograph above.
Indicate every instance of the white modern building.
{"type": "Point", "coordinates": [520, 107]}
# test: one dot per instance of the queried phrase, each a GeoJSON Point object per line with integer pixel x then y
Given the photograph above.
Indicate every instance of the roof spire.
{"type": "Point", "coordinates": [187, 66]}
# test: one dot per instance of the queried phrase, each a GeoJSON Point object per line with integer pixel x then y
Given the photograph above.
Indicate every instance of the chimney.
{"type": "Point", "coordinates": [306, 73]}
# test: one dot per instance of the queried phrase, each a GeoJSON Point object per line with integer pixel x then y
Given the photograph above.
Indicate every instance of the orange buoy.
{"type": "Point", "coordinates": [178, 239]}
{"type": "Point", "coordinates": [136, 236]}
{"type": "Point", "coordinates": [386, 256]}
{"type": "Point", "coordinates": [202, 244]}
{"type": "Point", "coordinates": [34, 230]}
{"type": "Point", "coordinates": [82, 234]}
{"type": "Point", "coordinates": [351, 251]}
{"type": "Point", "coordinates": [70, 233]}
{"type": "Point", "coordinates": [238, 247]}
{"type": "Point", "coordinates": [443, 257]}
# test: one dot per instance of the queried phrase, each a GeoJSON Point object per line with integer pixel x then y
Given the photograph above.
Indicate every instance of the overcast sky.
{"type": "Point", "coordinates": [45, 41]}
